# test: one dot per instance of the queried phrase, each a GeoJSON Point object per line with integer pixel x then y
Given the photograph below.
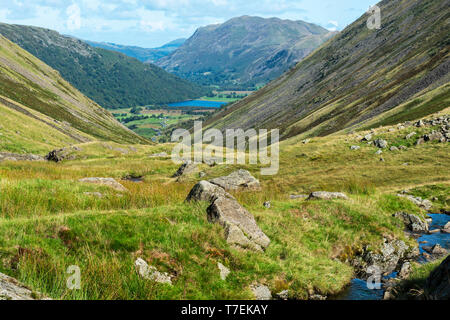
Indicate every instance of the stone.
{"type": "Point", "coordinates": [438, 250]}
{"type": "Point", "coordinates": [437, 285]}
{"type": "Point", "coordinates": [11, 289]}
{"type": "Point", "coordinates": [206, 191]}
{"type": "Point", "coordinates": [355, 147]}
{"type": "Point", "coordinates": [238, 180]}
{"type": "Point", "coordinates": [109, 182]}
{"type": "Point", "coordinates": [393, 148]}
{"type": "Point", "coordinates": [240, 226]}
{"type": "Point", "coordinates": [298, 196]}
{"type": "Point", "coordinates": [151, 273]}
{"type": "Point", "coordinates": [420, 141]}
{"type": "Point", "coordinates": [267, 204]}
{"type": "Point", "coordinates": [367, 137]}
{"type": "Point", "coordinates": [283, 295]}
{"type": "Point", "coordinates": [412, 222]}
{"type": "Point", "coordinates": [202, 174]}
{"type": "Point", "coordinates": [6, 156]}
{"type": "Point", "coordinates": [261, 292]}
{"type": "Point", "coordinates": [422, 203]}
{"type": "Point", "coordinates": [324, 195]}
{"type": "Point", "coordinates": [434, 136]}
{"type": "Point", "coordinates": [410, 135]}
{"type": "Point", "coordinates": [224, 271]}
{"type": "Point", "coordinates": [380, 143]}
{"type": "Point", "coordinates": [405, 271]}
{"type": "Point", "coordinates": [387, 260]}
{"type": "Point", "coordinates": [379, 152]}
{"type": "Point", "coordinates": [317, 297]}
{"type": "Point", "coordinates": [185, 169]}
{"type": "Point", "coordinates": [58, 155]}
{"type": "Point", "coordinates": [306, 141]}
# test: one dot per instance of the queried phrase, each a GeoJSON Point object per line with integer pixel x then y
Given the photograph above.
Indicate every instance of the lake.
{"type": "Point", "coordinates": [198, 103]}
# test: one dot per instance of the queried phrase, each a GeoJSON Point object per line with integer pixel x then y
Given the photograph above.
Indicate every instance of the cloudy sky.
{"type": "Point", "coordinates": [151, 23]}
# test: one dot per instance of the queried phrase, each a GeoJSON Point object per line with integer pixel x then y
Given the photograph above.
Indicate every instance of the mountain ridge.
{"type": "Point", "coordinates": [107, 77]}
{"type": "Point", "coordinates": [244, 51]}
{"type": "Point", "coordinates": [356, 76]}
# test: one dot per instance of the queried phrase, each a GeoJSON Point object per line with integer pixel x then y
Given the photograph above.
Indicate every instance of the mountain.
{"type": "Point", "coordinates": [40, 110]}
{"type": "Point", "coordinates": [244, 51]}
{"type": "Point", "coordinates": [148, 55]}
{"type": "Point", "coordinates": [362, 78]}
{"type": "Point", "coordinates": [111, 79]}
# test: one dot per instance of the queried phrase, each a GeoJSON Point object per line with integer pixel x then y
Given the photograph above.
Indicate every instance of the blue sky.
{"type": "Point", "coordinates": [150, 23]}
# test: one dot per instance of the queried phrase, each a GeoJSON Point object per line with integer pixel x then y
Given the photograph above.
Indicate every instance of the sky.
{"type": "Point", "coordinates": [151, 23]}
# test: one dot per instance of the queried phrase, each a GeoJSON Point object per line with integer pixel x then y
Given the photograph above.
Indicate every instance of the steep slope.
{"type": "Point", "coordinates": [357, 77]}
{"type": "Point", "coordinates": [38, 107]}
{"type": "Point", "coordinates": [111, 79]}
{"type": "Point", "coordinates": [149, 55]}
{"type": "Point", "coordinates": [244, 51]}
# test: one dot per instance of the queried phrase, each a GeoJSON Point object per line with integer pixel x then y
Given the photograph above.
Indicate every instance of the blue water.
{"type": "Point", "coordinates": [358, 288]}
{"type": "Point", "coordinates": [198, 103]}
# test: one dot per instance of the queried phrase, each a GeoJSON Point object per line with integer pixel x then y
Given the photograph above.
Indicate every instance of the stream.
{"type": "Point", "coordinates": [358, 290]}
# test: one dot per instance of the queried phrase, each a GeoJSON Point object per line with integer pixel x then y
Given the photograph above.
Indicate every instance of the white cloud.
{"type": "Point", "coordinates": [74, 17]}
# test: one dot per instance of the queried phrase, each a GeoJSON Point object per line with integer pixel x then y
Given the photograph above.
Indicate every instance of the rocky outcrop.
{"type": "Point", "coordinates": [238, 180]}
{"type": "Point", "coordinates": [11, 289]}
{"type": "Point", "coordinates": [206, 191]}
{"type": "Point", "coordinates": [324, 195]}
{"type": "Point", "coordinates": [240, 226]}
{"type": "Point", "coordinates": [224, 271]}
{"type": "Point", "coordinates": [390, 258]}
{"type": "Point", "coordinates": [412, 222]}
{"type": "Point", "coordinates": [109, 182]}
{"type": "Point", "coordinates": [422, 203]}
{"type": "Point", "coordinates": [437, 286]}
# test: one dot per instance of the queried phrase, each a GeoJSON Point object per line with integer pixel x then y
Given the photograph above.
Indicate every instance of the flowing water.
{"type": "Point", "coordinates": [358, 290]}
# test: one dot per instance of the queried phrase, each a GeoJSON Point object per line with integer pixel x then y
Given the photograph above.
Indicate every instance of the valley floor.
{"type": "Point", "coordinates": [50, 221]}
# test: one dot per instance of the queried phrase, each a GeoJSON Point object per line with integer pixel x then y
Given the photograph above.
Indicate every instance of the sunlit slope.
{"type": "Point", "coordinates": [27, 82]}
{"type": "Point", "coordinates": [358, 76]}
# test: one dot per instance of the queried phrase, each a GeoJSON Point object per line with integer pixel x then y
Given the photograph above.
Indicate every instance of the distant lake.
{"type": "Point", "coordinates": [198, 103]}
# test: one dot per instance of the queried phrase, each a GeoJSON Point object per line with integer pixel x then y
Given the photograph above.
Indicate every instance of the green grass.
{"type": "Point", "coordinates": [49, 223]}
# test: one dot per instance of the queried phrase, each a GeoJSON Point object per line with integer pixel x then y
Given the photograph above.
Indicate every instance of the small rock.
{"type": "Point", "coordinates": [379, 152]}
{"type": "Point", "coordinates": [283, 295]}
{"type": "Point", "coordinates": [405, 270]}
{"type": "Point", "coordinates": [185, 169]}
{"type": "Point", "coordinates": [355, 147]}
{"type": "Point", "coordinates": [261, 292]}
{"type": "Point", "coordinates": [151, 273]}
{"type": "Point", "coordinates": [380, 143]}
{"type": "Point", "coordinates": [298, 196]}
{"type": "Point", "coordinates": [159, 155]}
{"type": "Point", "coordinates": [367, 137]}
{"type": "Point", "coordinates": [409, 136]}
{"type": "Point", "coordinates": [267, 204]}
{"type": "Point", "coordinates": [224, 271]}
{"type": "Point", "coordinates": [393, 148]}
{"type": "Point", "coordinates": [324, 195]}
{"type": "Point", "coordinates": [317, 297]}
{"type": "Point", "coordinates": [109, 182]}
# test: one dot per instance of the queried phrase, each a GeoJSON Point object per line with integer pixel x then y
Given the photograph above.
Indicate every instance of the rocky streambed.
{"type": "Point", "coordinates": [433, 240]}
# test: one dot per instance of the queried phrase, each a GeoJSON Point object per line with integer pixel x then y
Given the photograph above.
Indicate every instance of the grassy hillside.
{"type": "Point", "coordinates": [40, 109]}
{"type": "Point", "coordinates": [244, 52]}
{"type": "Point", "coordinates": [111, 79]}
{"type": "Point", "coordinates": [400, 70]}
{"type": "Point", "coordinates": [50, 221]}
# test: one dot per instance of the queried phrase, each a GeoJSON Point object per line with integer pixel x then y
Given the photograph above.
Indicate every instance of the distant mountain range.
{"type": "Point", "coordinates": [148, 55]}
{"type": "Point", "coordinates": [112, 79]}
{"type": "Point", "coordinates": [362, 78]}
{"type": "Point", "coordinates": [244, 51]}
{"type": "Point", "coordinates": [41, 111]}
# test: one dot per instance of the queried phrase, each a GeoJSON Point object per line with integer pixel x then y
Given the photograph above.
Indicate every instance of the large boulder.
{"type": "Point", "coordinates": [238, 180]}
{"type": "Point", "coordinates": [11, 289]}
{"type": "Point", "coordinates": [109, 182]}
{"type": "Point", "coordinates": [240, 226]}
{"type": "Point", "coordinates": [380, 143]}
{"type": "Point", "coordinates": [412, 222]}
{"type": "Point", "coordinates": [437, 286]}
{"type": "Point", "coordinates": [206, 191]}
{"type": "Point", "coordinates": [324, 195]}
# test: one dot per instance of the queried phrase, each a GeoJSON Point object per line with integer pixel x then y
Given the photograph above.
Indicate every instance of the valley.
{"type": "Point", "coordinates": [97, 203]}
